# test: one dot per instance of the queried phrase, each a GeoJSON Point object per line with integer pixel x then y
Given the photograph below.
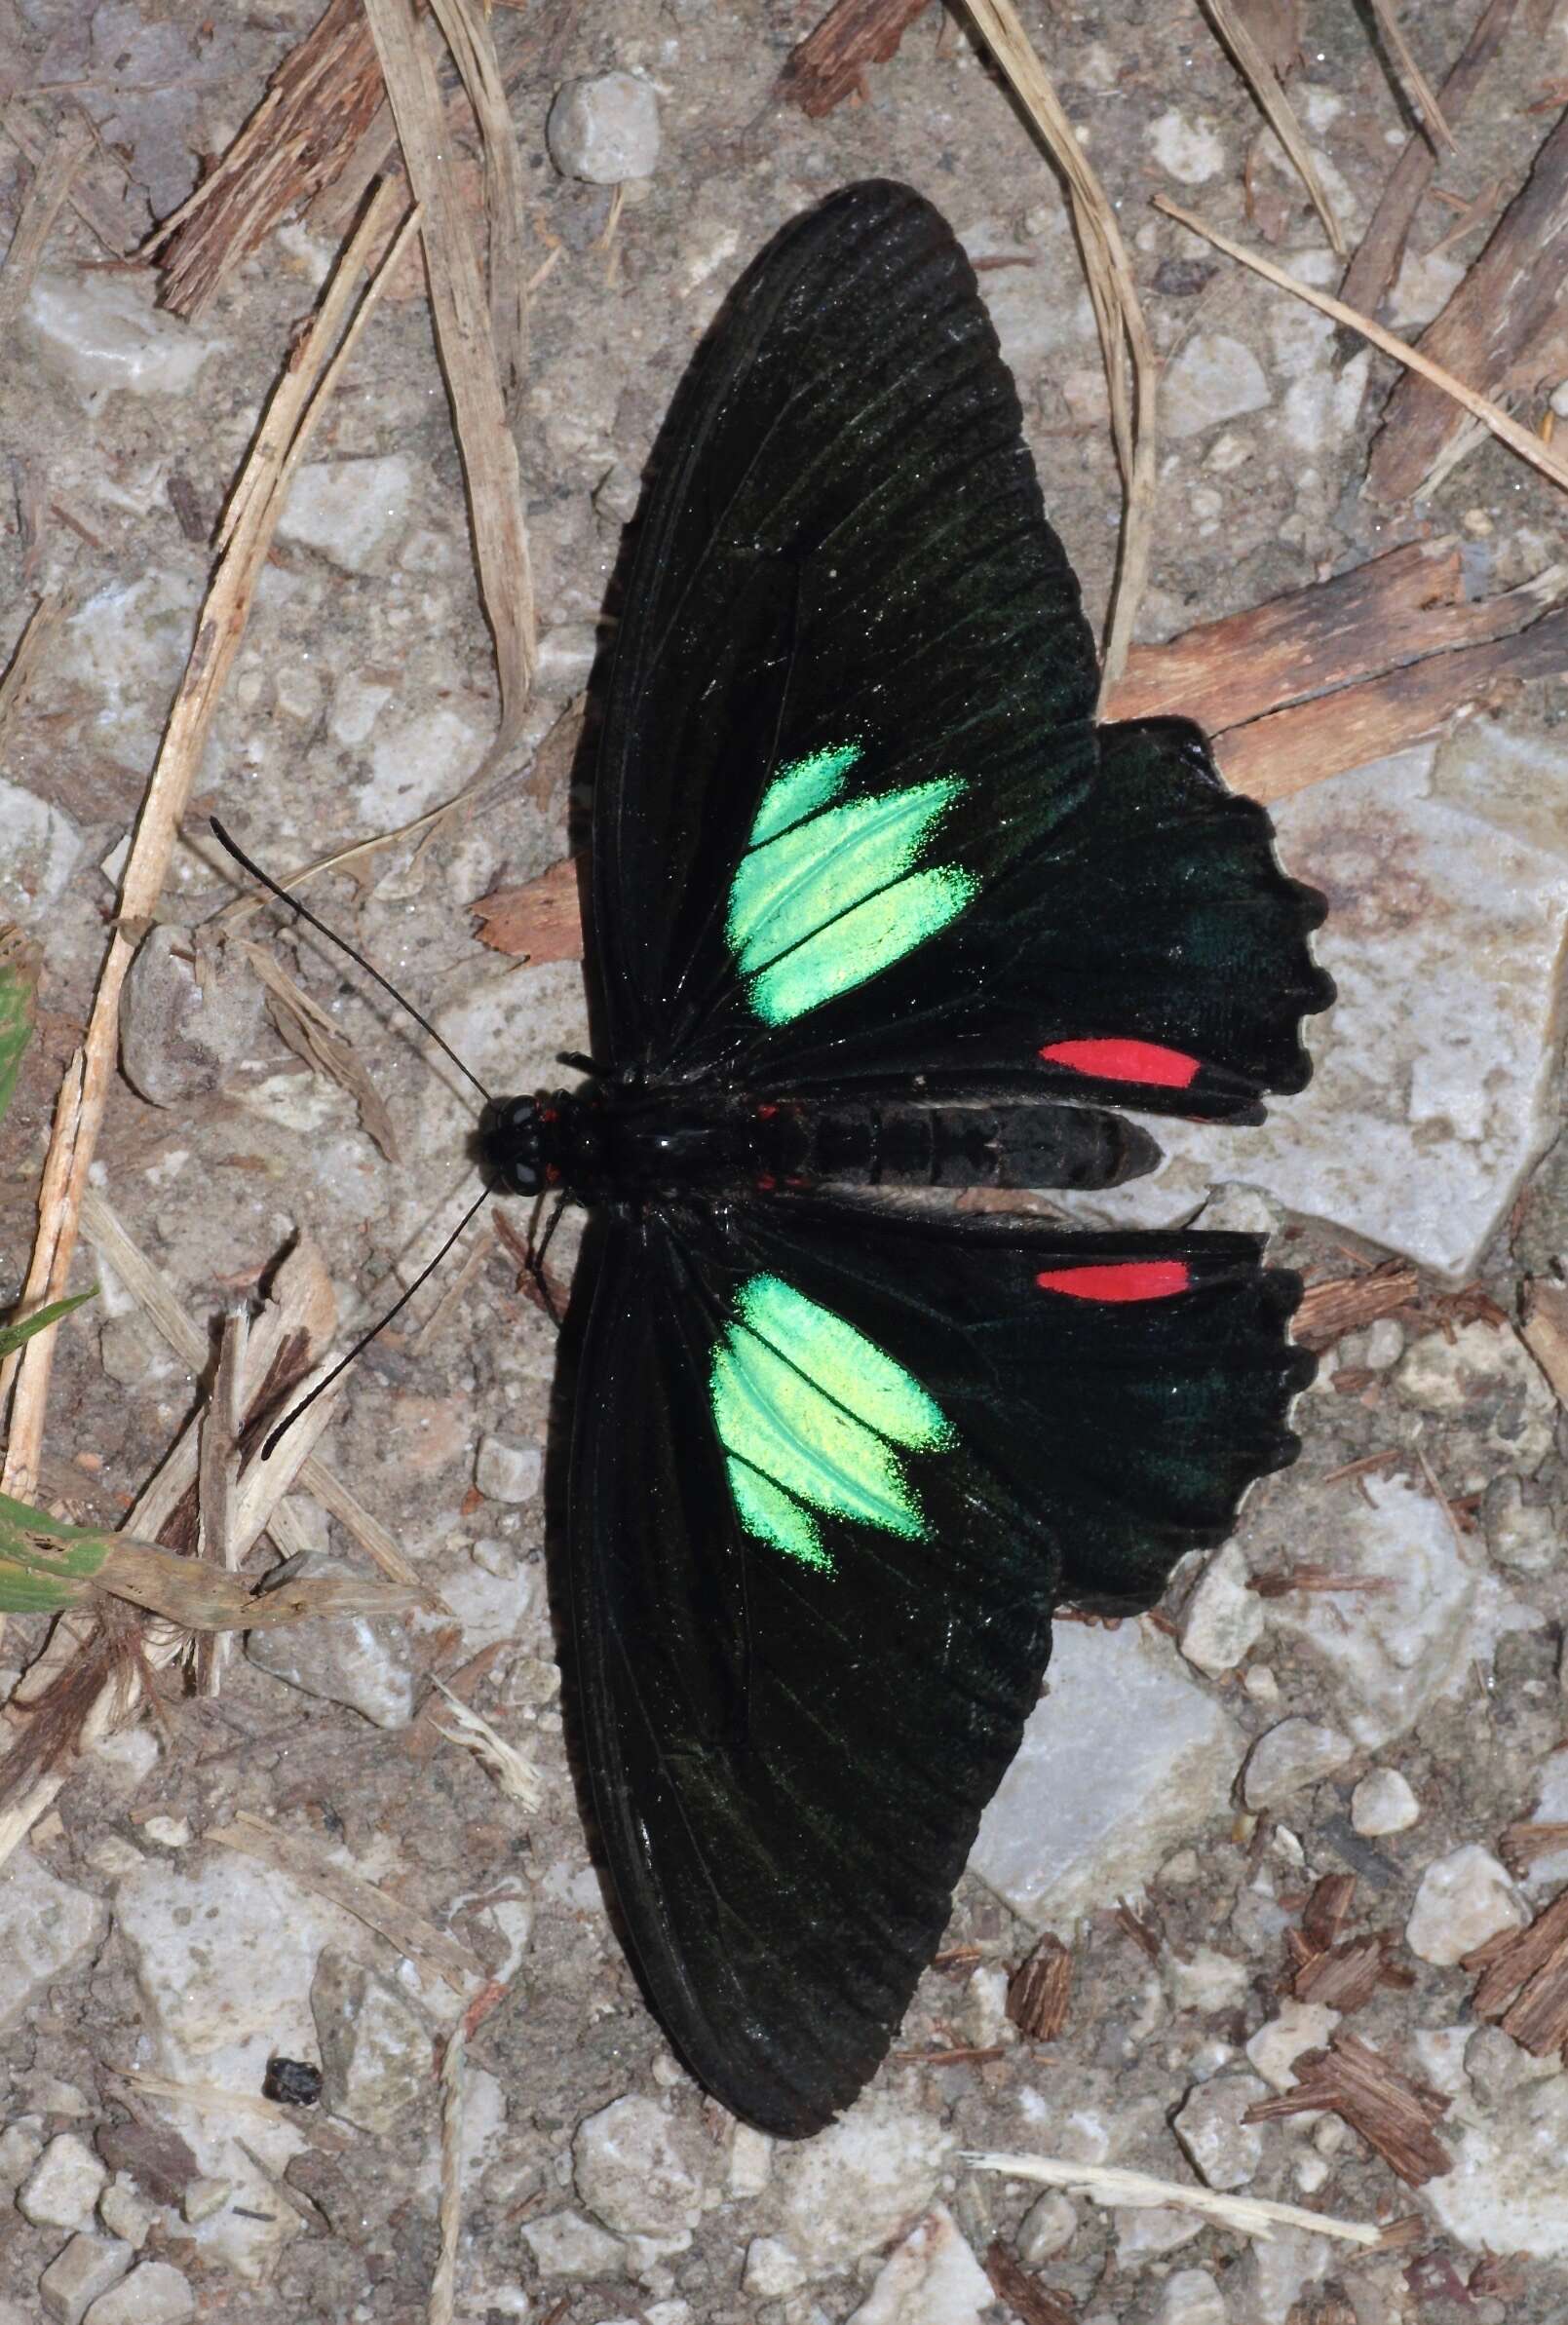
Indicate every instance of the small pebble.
{"type": "Point", "coordinates": [153, 2294]}
{"type": "Point", "coordinates": [509, 1474]}
{"type": "Point", "coordinates": [604, 129]}
{"type": "Point", "coordinates": [63, 2187]}
{"type": "Point", "coordinates": [1384, 1802]}
{"type": "Point", "coordinates": [75, 2277]}
{"type": "Point", "coordinates": [1224, 2151]}
{"type": "Point", "coordinates": [1223, 1619]}
{"type": "Point", "coordinates": [1290, 1757]}
{"type": "Point", "coordinates": [1048, 2228]}
{"type": "Point", "coordinates": [1464, 1899]}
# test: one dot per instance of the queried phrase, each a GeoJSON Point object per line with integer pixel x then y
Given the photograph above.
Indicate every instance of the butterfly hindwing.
{"type": "Point", "coordinates": [853, 822]}
{"type": "Point", "coordinates": [833, 1469]}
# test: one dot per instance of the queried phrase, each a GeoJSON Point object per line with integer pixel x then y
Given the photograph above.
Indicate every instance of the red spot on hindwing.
{"type": "Point", "coordinates": [1119, 1279]}
{"type": "Point", "coordinates": [1125, 1060]}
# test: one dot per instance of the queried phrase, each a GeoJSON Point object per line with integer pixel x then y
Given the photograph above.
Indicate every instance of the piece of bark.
{"type": "Point", "coordinates": [1400, 608]}
{"type": "Point", "coordinates": [1376, 263]}
{"type": "Point", "coordinates": [540, 921]}
{"type": "Point", "coordinates": [318, 101]}
{"type": "Point", "coordinates": [1523, 1980]}
{"type": "Point", "coordinates": [1506, 328]}
{"type": "Point", "coordinates": [1022, 2294]}
{"type": "Point", "coordinates": [1545, 1333]}
{"type": "Point", "coordinates": [1393, 2115]}
{"type": "Point", "coordinates": [1328, 1909]}
{"type": "Point", "coordinates": [1274, 757]}
{"type": "Point", "coordinates": [1346, 1975]}
{"type": "Point", "coordinates": [1346, 1303]}
{"type": "Point", "coordinates": [1522, 1843]}
{"type": "Point", "coordinates": [1038, 1991]}
{"type": "Point", "coordinates": [829, 63]}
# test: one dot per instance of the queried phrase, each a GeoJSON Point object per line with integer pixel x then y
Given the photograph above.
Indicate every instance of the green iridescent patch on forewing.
{"type": "Point", "coordinates": [815, 1417]}
{"type": "Point", "coordinates": [800, 789]}
{"type": "Point", "coordinates": [827, 895]}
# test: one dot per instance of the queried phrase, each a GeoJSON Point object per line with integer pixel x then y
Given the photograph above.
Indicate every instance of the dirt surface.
{"type": "Point", "coordinates": [364, 693]}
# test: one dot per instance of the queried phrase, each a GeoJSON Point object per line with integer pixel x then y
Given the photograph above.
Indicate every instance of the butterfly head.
{"type": "Point", "coordinates": [508, 1146]}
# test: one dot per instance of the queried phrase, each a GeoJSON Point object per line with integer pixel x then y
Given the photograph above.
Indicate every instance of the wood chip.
{"type": "Point", "coordinates": [540, 921]}
{"type": "Point", "coordinates": [1393, 2115]}
{"type": "Point", "coordinates": [1347, 1975]}
{"type": "Point", "coordinates": [829, 65]}
{"type": "Point", "coordinates": [1025, 2294]}
{"type": "Point", "coordinates": [1522, 1844]}
{"type": "Point", "coordinates": [1523, 1980]}
{"type": "Point", "coordinates": [1346, 1304]}
{"type": "Point", "coordinates": [1545, 1333]}
{"type": "Point", "coordinates": [1257, 68]}
{"type": "Point", "coordinates": [1503, 330]}
{"type": "Point", "coordinates": [1328, 1908]}
{"type": "Point", "coordinates": [1039, 1988]}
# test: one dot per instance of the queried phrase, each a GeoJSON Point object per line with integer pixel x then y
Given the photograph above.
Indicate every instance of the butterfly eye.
{"type": "Point", "coordinates": [508, 1145]}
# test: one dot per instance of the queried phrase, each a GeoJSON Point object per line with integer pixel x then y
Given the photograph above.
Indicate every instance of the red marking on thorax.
{"type": "Point", "coordinates": [1119, 1279]}
{"type": "Point", "coordinates": [1121, 1060]}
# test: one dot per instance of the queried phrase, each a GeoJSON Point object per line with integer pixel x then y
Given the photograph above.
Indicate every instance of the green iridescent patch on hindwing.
{"type": "Point", "coordinates": [830, 891]}
{"type": "Point", "coordinates": [814, 1420]}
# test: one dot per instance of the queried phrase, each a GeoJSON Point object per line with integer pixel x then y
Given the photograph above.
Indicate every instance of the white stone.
{"type": "Point", "coordinates": [348, 511]}
{"type": "Point", "coordinates": [1047, 2229]}
{"type": "Point", "coordinates": [347, 1659]}
{"type": "Point", "coordinates": [1272, 2275]}
{"type": "Point", "coordinates": [1384, 1802]}
{"type": "Point", "coordinates": [1204, 1980]}
{"type": "Point", "coordinates": [39, 850]}
{"type": "Point", "coordinates": [604, 129]}
{"type": "Point", "coordinates": [750, 2161]}
{"type": "Point", "coordinates": [1520, 1534]}
{"type": "Point", "coordinates": [772, 2270]}
{"type": "Point", "coordinates": [357, 703]}
{"type": "Point", "coordinates": [566, 656]}
{"type": "Point", "coordinates": [858, 2183]}
{"type": "Point", "coordinates": [1125, 1758]}
{"type": "Point", "coordinates": [1294, 2028]}
{"type": "Point", "coordinates": [1431, 1093]}
{"type": "Point", "coordinates": [1191, 2297]}
{"type": "Point", "coordinates": [1190, 151]}
{"type": "Point", "coordinates": [1222, 1621]}
{"type": "Point", "coordinates": [153, 2294]}
{"type": "Point", "coordinates": [1288, 1758]}
{"type": "Point", "coordinates": [101, 329]}
{"type": "Point", "coordinates": [170, 1832]}
{"type": "Point", "coordinates": [1432, 1610]}
{"type": "Point", "coordinates": [1148, 2231]}
{"type": "Point", "coordinates": [505, 1472]}
{"type": "Point", "coordinates": [635, 2170]}
{"type": "Point", "coordinates": [375, 2048]}
{"type": "Point", "coordinates": [1224, 2151]}
{"type": "Point", "coordinates": [21, 2143]}
{"type": "Point", "coordinates": [126, 2212]}
{"type": "Point", "coordinates": [1548, 1872]}
{"type": "Point", "coordinates": [931, 2278]}
{"type": "Point", "coordinates": [63, 2187]}
{"type": "Point", "coordinates": [416, 764]}
{"type": "Point", "coordinates": [1464, 1899]}
{"type": "Point", "coordinates": [1212, 378]}
{"type": "Point", "coordinates": [490, 1608]}
{"type": "Point", "coordinates": [566, 2244]}
{"type": "Point", "coordinates": [46, 1928]}
{"type": "Point", "coordinates": [1509, 2188]}
{"type": "Point", "coordinates": [1486, 1378]}
{"type": "Point", "coordinates": [85, 2268]}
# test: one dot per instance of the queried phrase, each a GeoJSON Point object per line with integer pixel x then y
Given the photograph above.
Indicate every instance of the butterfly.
{"type": "Point", "coordinates": [877, 906]}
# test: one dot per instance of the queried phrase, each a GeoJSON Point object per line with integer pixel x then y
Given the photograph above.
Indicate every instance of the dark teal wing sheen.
{"type": "Point", "coordinates": [854, 824]}
{"type": "Point", "coordinates": [833, 1469]}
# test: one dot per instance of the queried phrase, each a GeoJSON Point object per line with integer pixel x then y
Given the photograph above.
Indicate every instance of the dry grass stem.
{"type": "Point", "coordinates": [1112, 2183]}
{"type": "Point", "coordinates": [44, 199]}
{"type": "Point", "coordinates": [310, 1032]}
{"type": "Point", "coordinates": [265, 482]}
{"type": "Point", "coordinates": [469, 358]}
{"type": "Point", "coordinates": [466, 28]}
{"type": "Point", "coordinates": [1508, 430]}
{"type": "Point", "coordinates": [207, 2096]}
{"type": "Point", "coordinates": [1113, 293]}
{"type": "Point", "coordinates": [449, 2217]}
{"type": "Point", "coordinates": [433, 1952]}
{"type": "Point", "coordinates": [1417, 89]}
{"type": "Point", "coordinates": [1258, 70]}
{"type": "Point", "coordinates": [517, 1778]}
{"type": "Point", "coordinates": [217, 1478]}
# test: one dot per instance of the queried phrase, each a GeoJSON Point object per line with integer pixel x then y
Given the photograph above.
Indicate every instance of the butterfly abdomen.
{"type": "Point", "coordinates": [974, 1146]}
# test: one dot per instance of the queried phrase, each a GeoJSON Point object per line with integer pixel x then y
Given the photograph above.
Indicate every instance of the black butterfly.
{"type": "Point", "coordinates": [876, 905]}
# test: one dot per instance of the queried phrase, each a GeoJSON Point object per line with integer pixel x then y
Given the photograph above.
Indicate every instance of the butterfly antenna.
{"type": "Point", "coordinates": [226, 840]}
{"type": "Point", "coordinates": [363, 1342]}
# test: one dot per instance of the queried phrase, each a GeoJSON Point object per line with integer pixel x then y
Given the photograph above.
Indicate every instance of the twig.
{"type": "Point", "coordinates": [221, 627]}
{"type": "Point", "coordinates": [1119, 317]}
{"type": "Point", "coordinates": [1267, 87]}
{"type": "Point", "coordinates": [108, 220]}
{"type": "Point", "coordinates": [44, 199]}
{"type": "Point", "coordinates": [1522, 440]}
{"type": "Point", "coordinates": [1112, 2183]}
{"type": "Point", "coordinates": [1423, 97]}
{"type": "Point", "coordinates": [444, 2284]}
{"type": "Point", "coordinates": [217, 1478]}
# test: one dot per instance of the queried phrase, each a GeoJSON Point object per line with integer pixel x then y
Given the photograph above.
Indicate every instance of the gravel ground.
{"type": "Point", "coordinates": [1396, 1726]}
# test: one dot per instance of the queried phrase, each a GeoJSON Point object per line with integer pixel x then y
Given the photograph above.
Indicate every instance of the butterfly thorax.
{"type": "Point", "coordinates": [614, 1142]}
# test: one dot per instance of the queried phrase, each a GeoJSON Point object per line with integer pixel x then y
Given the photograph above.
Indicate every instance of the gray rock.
{"type": "Point", "coordinates": [1290, 1757]}
{"type": "Point", "coordinates": [1270, 2277]}
{"type": "Point", "coordinates": [858, 2184]}
{"type": "Point", "coordinates": [1520, 1534]}
{"type": "Point", "coordinates": [1222, 1621]}
{"type": "Point", "coordinates": [190, 1014]}
{"type": "Point", "coordinates": [637, 2171]}
{"type": "Point", "coordinates": [1384, 1802]}
{"type": "Point", "coordinates": [21, 2143]}
{"type": "Point", "coordinates": [63, 2186]}
{"type": "Point", "coordinates": [1214, 379]}
{"type": "Point", "coordinates": [375, 2048]}
{"type": "Point", "coordinates": [1223, 2151]}
{"type": "Point", "coordinates": [509, 1474]}
{"type": "Point", "coordinates": [39, 848]}
{"type": "Point", "coordinates": [604, 129]}
{"type": "Point", "coordinates": [349, 511]}
{"type": "Point", "coordinates": [1464, 1898]}
{"type": "Point", "coordinates": [566, 656]}
{"type": "Point", "coordinates": [1191, 2297]}
{"type": "Point", "coordinates": [566, 2244]}
{"type": "Point", "coordinates": [87, 2267]}
{"type": "Point", "coordinates": [100, 330]}
{"type": "Point", "coordinates": [153, 2294]}
{"type": "Point", "coordinates": [1048, 2228]}
{"type": "Point", "coordinates": [931, 2277]}
{"type": "Point", "coordinates": [126, 2212]}
{"type": "Point", "coordinates": [367, 1665]}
